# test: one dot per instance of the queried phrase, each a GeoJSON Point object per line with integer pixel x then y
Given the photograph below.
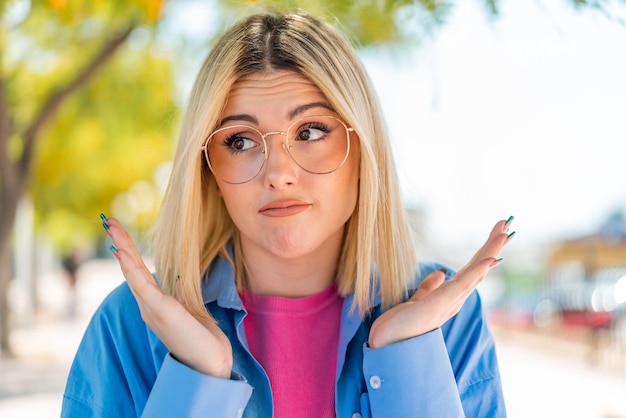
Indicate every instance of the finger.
{"type": "Point", "coordinates": [497, 239]}
{"type": "Point", "coordinates": [137, 274]}
{"type": "Point", "coordinates": [469, 277]}
{"type": "Point", "coordinates": [504, 225]}
{"type": "Point", "coordinates": [430, 283]}
{"type": "Point", "coordinates": [133, 267]}
{"type": "Point", "coordinates": [492, 247]}
{"type": "Point", "coordinates": [122, 240]}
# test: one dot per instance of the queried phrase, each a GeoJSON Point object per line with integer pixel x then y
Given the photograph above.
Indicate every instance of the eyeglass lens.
{"type": "Point", "coordinates": [318, 144]}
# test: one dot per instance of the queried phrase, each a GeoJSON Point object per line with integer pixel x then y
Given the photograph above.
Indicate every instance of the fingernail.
{"type": "Point", "coordinates": [113, 251]}
{"type": "Point", "coordinates": [105, 222]}
{"type": "Point", "coordinates": [511, 235]}
{"type": "Point", "coordinates": [444, 271]}
{"type": "Point", "coordinates": [508, 221]}
{"type": "Point", "coordinates": [496, 262]}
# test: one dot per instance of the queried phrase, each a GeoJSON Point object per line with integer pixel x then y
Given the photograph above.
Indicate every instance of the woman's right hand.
{"type": "Point", "coordinates": [198, 343]}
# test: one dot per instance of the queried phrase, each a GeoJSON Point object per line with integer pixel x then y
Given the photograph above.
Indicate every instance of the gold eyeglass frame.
{"type": "Point", "coordinates": [285, 145]}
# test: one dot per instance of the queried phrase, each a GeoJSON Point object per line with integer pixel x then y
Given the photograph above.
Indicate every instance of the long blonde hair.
{"type": "Point", "coordinates": [193, 226]}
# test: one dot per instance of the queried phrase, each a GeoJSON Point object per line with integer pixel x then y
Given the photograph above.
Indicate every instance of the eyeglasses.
{"type": "Point", "coordinates": [317, 144]}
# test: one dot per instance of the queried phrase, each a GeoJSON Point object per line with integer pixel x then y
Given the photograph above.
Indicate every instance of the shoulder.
{"type": "Point", "coordinates": [116, 362]}
{"type": "Point", "coordinates": [117, 314]}
{"type": "Point", "coordinates": [117, 330]}
{"type": "Point", "coordinates": [119, 300]}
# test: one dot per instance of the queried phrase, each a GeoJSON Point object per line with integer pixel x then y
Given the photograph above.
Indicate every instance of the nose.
{"type": "Point", "coordinates": [280, 169]}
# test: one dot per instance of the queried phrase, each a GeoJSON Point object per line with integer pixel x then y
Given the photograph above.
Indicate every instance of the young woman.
{"type": "Point", "coordinates": [286, 279]}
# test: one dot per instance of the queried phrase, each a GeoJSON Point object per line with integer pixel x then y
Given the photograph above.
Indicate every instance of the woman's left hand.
{"type": "Point", "coordinates": [437, 300]}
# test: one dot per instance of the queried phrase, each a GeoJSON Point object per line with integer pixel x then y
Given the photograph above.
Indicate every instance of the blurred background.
{"type": "Point", "coordinates": [496, 108]}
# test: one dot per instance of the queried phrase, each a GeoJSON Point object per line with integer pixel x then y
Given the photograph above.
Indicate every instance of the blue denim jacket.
{"type": "Point", "coordinates": [122, 369]}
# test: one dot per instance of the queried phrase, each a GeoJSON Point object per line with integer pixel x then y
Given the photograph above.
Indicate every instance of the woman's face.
{"type": "Point", "coordinates": [285, 211]}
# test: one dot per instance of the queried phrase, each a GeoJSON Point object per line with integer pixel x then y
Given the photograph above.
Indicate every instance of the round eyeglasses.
{"type": "Point", "coordinates": [317, 144]}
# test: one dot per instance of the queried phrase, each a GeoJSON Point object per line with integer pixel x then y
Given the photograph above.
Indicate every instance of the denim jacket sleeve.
{"type": "Point", "coordinates": [181, 391]}
{"type": "Point", "coordinates": [121, 369]}
{"type": "Point", "coordinates": [451, 372]}
{"type": "Point", "coordinates": [412, 378]}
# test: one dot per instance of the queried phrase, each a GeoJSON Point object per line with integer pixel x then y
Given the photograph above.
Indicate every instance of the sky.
{"type": "Point", "coordinates": [520, 115]}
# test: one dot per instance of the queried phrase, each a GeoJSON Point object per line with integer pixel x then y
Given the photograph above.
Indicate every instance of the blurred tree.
{"type": "Point", "coordinates": [49, 51]}
{"type": "Point", "coordinates": [366, 22]}
{"type": "Point", "coordinates": [114, 132]}
{"type": "Point", "coordinates": [370, 22]}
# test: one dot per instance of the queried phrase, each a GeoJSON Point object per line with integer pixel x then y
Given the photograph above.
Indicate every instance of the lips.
{"type": "Point", "coordinates": [284, 208]}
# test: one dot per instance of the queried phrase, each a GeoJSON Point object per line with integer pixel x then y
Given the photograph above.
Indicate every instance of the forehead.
{"type": "Point", "coordinates": [274, 93]}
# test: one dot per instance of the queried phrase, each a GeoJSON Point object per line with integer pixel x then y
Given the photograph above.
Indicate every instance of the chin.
{"type": "Point", "coordinates": [290, 251]}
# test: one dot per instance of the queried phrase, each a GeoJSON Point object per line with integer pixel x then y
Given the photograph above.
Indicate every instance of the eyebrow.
{"type": "Point", "coordinates": [240, 117]}
{"type": "Point", "coordinates": [301, 109]}
{"type": "Point", "coordinates": [244, 117]}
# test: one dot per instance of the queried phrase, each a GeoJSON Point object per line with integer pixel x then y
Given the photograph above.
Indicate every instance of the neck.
{"type": "Point", "coordinates": [269, 274]}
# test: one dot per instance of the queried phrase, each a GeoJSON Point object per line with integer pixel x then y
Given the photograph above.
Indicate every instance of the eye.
{"type": "Point", "coordinates": [239, 143]}
{"type": "Point", "coordinates": [312, 131]}
{"type": "Point", "coordinates": [236, 142]}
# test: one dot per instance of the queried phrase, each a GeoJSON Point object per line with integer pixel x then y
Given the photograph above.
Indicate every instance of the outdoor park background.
{"type": "Point", "coordinates": [518, 113]}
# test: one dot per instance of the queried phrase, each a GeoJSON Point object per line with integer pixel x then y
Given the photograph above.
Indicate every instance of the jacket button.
{"type": "Point", "coordinates": [375, 382]}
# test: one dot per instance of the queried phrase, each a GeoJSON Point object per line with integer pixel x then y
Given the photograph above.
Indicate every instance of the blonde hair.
{"type": "Point", "coordinates": [193, 226]}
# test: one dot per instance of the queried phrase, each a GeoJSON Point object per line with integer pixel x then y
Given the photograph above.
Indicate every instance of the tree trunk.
{"type": "Point", "coordinates": [5, 275]}
{"type": "Point", "coordinates": [15, 171]}
{"type": "Point", "coordinates": [11, 187]}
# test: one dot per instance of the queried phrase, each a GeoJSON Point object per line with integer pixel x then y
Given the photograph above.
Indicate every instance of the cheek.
{"type": "Point", "coordinates": [232, 196]}
{"type": "Point", "coordinates": [348, 192]}
{"type": "Point", "coordinates": [231, 201]}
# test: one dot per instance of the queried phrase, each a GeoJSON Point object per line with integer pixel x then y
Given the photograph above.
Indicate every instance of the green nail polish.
{"type": "Point", "coordinates": [497, 260]}
{"type": "Point", "coordinates": [113, 249]}
{"type": "Point", "coordinates": [511, 234]}
{"type": "Point", "coordinates": [508, 221]}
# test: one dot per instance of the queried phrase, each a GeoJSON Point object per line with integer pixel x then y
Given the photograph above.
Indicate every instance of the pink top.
{"type": "Point", "coordinates": [296, 340]}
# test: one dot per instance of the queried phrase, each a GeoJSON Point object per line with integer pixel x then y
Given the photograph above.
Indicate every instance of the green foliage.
{"type": "Point", "coordinates": [522, 280]}
{"type": "Point", "coordinates": [112, 134]}
{"type": "Point", "coordinates": [366, 22]}
{"type": "Point", "coordinates": [57, 37]}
